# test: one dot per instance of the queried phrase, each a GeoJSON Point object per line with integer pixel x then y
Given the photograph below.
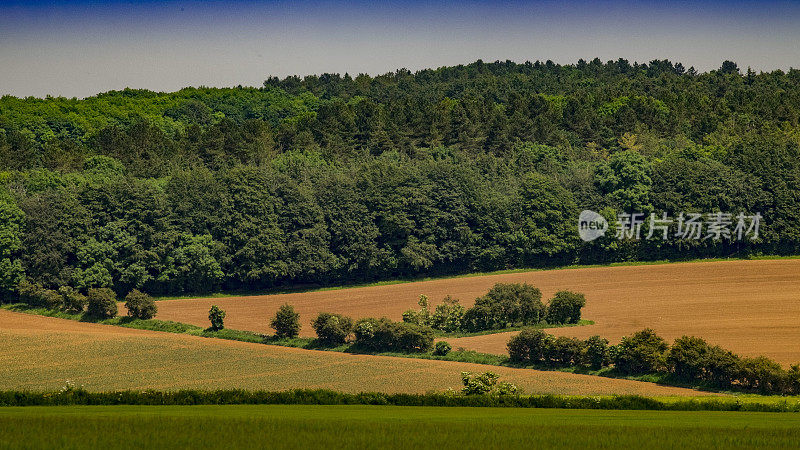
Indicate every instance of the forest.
{"type": "Point", "coordinates": [334, 179]}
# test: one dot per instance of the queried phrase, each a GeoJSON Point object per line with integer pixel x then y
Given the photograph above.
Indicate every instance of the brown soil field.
{"type": "Point", "coordinates": [42, 353]}
{"type": "Point", "coordinates": [750, 307]}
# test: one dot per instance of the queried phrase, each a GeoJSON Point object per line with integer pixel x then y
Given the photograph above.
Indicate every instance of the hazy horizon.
{"type": "Point", "coordinates": [81, 48]}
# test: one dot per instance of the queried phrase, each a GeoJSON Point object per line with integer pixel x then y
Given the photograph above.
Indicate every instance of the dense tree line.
{"type": "Point", "coordinates": [331, 179]}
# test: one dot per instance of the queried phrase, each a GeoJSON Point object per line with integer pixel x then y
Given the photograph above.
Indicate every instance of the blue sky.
{"type": "Point", "coordinates": [79, 48]}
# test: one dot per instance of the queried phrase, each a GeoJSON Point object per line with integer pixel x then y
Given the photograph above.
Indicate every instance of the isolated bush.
{"type": "Point", "coordinates": [565, 307]}
{"type": "Point", "coordinates": [101, 303]}
{"type": "Point", "coordinates": [332, 328]}
{"type": "Point", "coordinates": [448, 315]}
{"type": "Point", "coordinates": [485, 383]}
{"type": "Point", "coordinates": [442, 348]}
{"type": "Point", "coordinates": [73, 301]}
{"type": "Point", "coordinates": [217, 318]}
{"type": "Point", "coordinates": [286, 322]}
{"type": "Point", "coordinates": [596, 354]}
{"type": "Point", "coordinates": [642, 352]}
{"type": "Point", "coordinates": [140, 305]}
{"type": "Point", "coordinates": [529, 345]}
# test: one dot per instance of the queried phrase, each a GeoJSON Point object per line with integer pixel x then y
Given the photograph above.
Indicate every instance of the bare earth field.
{"type": "Point", "coordinates": [750, 307]}
{"type": "Point", "coordinates": [42, 353]}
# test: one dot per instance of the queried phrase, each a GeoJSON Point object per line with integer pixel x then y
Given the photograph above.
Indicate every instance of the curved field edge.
{"type": "Point", "coordinates": [300, 290]}
{"type": "Point", "coordinates": [43, 353]}
{"type": "Point", "coordinates": [355, 426]}
{"type": "Point", "coordinates": [749, 307]}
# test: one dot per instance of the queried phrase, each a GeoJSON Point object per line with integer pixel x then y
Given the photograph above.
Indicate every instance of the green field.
{"type": "Point", "coordinates": [383, 427]}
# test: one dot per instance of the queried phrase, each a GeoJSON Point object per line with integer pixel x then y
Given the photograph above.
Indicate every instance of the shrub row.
{"type": "Point", "coordinates": [537, 347]}
{"type": "Point", "coordinates": [505, 305]}
{"type": "Point", "coordinates": [384, 335]}
{"type": "Point", "coordinates": [690, 360]}
{"type": "Point", "coordinates": [328, 397]}
{"type": "Point", "coordinates": [97, 303]}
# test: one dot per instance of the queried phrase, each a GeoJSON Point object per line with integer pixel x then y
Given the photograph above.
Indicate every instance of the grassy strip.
{"type": "Point", "coordinates": [275, 291]}
{"type": "Point", "coordinates": [543, 325]}
{"type": "Point", "coordinates": [71, 397]}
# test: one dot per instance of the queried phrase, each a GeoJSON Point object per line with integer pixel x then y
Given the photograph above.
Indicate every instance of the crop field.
{"type": "Point", "coordinates": [42, 353]}
{"type": "Point", "coordinates": [387, 427]}
{"type": "Point", "coordinates": [750, 307]}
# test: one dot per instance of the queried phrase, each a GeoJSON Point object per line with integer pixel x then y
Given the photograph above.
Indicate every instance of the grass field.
{"type": "Point", "coordinates": [304, 427]}
{"type": "Point", "coordinates": [750, 306]}
{"type": "Point", "coordinates": [42, 353]}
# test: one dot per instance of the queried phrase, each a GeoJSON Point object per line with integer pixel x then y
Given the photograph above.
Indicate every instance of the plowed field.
{"type": "Point", "coordinates": [750, 307]}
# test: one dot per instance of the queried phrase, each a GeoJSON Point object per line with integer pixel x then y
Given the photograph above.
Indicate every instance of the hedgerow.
{"type": "Point", "coordinates": [69, 397]}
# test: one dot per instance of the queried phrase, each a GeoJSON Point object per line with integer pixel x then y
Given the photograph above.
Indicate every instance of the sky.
{"type": "Point", "coordinates": [80, 48]}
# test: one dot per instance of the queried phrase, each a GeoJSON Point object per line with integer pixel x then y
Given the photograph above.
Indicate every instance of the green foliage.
{"type": "Point", "coordinates": [332, 329]}
{"type": "Point", "coordinates": [597, 353]}
{"type": "Point", "coordinates": [286, 322]}
{"type": "Point", "coordinates": [383, 335]}
{"type": "Point", "coordinates": [217, 318]}
{"type": "Point", "coordinates": [566, 351]}
{"type": "Point", "coordinates": [565, 307]}
{"type": "Point", "coordinates": [505, 305]}
{"type": "Point", "coordinates": [485, 384]}
{"type": "Point", "coordinates": [530, 345]}
{"type": "Point", "coordinates": [442, 348]}
{"type": "Point", "coordinates": [327, 180]}
{"type": "Point", "coordinates": [11, 222]}
{"type": "Point", "coordinates": [140, 305]}
{"type": "Point", "coordinates": [448, 315]}
{"type": "Point", "coordinates": [101, 303]}
{"type": "Point", "coordinates": [421, 317]}
{"type": "Point", "coordinates": [73, 300]}
{"type": "Point", "coordinates": [35, 295]}
{"type": "Point", "coordinates": [642, 352]}
{"type": "Point", "coordinates": [192, 267]}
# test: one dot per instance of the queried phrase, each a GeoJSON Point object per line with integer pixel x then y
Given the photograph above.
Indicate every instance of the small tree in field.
{"type": "Point", "coordinates": [286, 322]}
{"type": "Point", "coordinates": [102, 303]}
{"type": "Point", "coordinates": [140, 305]}
{"type": "Point", "coordinates": [217, 318]}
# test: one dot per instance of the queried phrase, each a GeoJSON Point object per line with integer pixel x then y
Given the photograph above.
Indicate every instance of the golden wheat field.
{"type": "Point", "coordinates": [42, 353]}
{"type": "Point", "coordinates": [750, 307]}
